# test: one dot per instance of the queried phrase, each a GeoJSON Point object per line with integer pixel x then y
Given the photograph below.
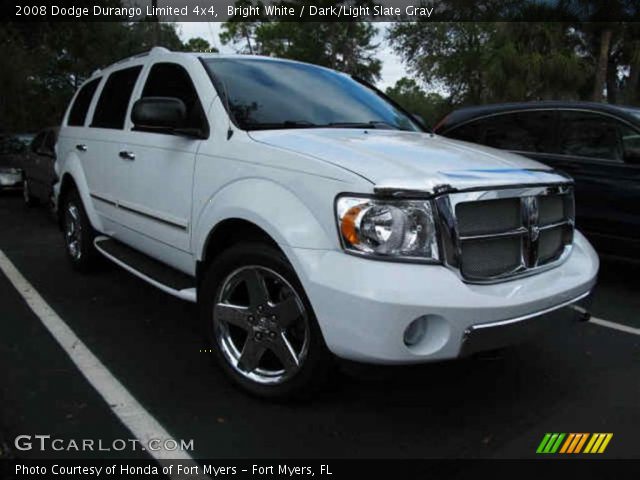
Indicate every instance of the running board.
{"type": "Point", "coordinates": [149, 269]}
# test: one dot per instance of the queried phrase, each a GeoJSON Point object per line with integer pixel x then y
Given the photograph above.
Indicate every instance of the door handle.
{"type": "Point", "coordinates": [127, 155]}
{"type": "Point", "coordinates": [82, 147]}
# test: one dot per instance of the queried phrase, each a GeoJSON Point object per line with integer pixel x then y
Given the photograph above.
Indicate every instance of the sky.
{"type": "Point", "coordinates": [392, 67]}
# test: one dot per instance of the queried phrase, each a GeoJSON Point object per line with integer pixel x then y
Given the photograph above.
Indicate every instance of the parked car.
{"type": "Point", "coordinates": [12, 150]}
{"type": "Point", "coordinates": [309, 217]}
{"type": "Point", "coordinates": [597, 144]}
{"type": "Point", "coordinates": [38, 168]}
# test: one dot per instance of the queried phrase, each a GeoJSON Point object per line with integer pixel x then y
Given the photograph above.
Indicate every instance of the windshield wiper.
{"type": "Point", "coordinates": [371, 124]}
{"type": "Point", "coordinates": [284, 124]}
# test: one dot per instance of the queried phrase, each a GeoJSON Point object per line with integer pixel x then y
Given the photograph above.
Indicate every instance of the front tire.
{"type": "Point", "coordinates": [78, 234]}
{"type": "Point", "coordinates": [260, 323]}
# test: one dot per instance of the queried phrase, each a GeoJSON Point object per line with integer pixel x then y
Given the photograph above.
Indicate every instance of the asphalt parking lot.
{"type": "Point", "coordinates": [576, 378]}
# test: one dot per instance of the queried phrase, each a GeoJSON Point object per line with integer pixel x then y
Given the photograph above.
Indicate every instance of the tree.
{"type": "Point", "coordinates": [492, 61]}
{"type": "Point", "coordinates": [345, 46]}
{"type": "Point", "coordinates": [198, 44]}
{"type": "Point", "coordinates": [429, 106]}
{"type": "Point", "coordinates": [44, 63]}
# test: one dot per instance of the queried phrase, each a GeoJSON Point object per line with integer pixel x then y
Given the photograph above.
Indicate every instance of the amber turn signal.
{"type": "Point", "coordinates": [348, 225]}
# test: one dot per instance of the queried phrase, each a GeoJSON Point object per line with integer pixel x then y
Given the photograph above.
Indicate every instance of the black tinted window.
{"type": "Point", "coordinates": [171, 80]}
{"type": "Point", "coordinates": [267, 94]}
{"type": "Point", "coordinates": [592, 135]}
{"type": "Point", "coordinates": [114, 99]}
{"type": "Point", "coordinates": [469, 132]}
{"type": "Point", "coordinates": [524, 131]}
{"type": "Point", "coordinates": [78, 112]}
{"type": "Point", "coordinates": [36, 143]}
{"type": "Point", "coordinates": [50, 141]}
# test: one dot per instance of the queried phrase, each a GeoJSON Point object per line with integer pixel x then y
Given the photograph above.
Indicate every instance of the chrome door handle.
{"type": "Point", "coordinates": [82, 147]}
{"type": "Point", "coordinates": [127, 155]}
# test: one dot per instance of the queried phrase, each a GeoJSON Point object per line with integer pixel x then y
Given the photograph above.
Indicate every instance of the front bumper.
{"type": "Point", "coordinates": [488, 336]}
{"type": "Point", "coordinates": [364, 306]}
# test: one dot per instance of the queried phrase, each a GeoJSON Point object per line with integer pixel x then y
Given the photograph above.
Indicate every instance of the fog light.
{"type": "Point", "coordinates": [415, 332]}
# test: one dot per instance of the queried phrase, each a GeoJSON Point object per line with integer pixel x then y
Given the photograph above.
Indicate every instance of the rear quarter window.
{"type": "Point", "coordinates": [78, 113]}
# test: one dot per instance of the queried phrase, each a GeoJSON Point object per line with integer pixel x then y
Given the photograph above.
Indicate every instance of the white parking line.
{"type": "Point", "coordinates": [615, 326]}
{"type": "Point", "coordinates": [133, 415]}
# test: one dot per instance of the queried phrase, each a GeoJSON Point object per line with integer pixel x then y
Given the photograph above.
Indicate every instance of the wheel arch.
{"type": "Point", "coordinates": [73, 179]}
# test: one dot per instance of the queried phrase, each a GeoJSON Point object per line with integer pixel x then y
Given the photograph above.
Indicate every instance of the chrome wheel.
{"type": "Point", "coordinates": [73, 231]}
{"type": "Point", "coordinates": [261, 325]}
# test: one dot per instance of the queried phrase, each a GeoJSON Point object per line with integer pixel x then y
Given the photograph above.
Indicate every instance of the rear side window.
{"type": "Point", "coordinates": [523, 131]}
{"type": "Point", "coordinates": [78, 112]}
{"type": "Point", "coordinates": [114, 99]}
{"type": "Point", "coordinates": [50, 141]}
{"type": "Point", "coordinates": [172, 80]}
{"type": "Point", "coordinates": [37, 142]}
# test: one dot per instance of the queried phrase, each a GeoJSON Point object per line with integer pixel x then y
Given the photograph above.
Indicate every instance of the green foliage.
{"type": "Point", "coordinates": [44, 63]}
{"type": "Point", "coordinates": [198, 44]}
{"type": "Point", "coordinates": [429, 106]}
{"type": "Point", "coordinates": [344, 46]}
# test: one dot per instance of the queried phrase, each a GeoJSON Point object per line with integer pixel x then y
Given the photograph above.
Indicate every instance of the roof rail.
{"type": "Point", "coordinates": [153, 51]}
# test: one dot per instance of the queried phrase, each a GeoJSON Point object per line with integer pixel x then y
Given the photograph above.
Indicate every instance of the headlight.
{"type": "Point", "coordinates": [397, 229]}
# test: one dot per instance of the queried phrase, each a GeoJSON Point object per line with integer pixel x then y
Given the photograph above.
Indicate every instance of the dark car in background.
{"type": "Point", "coordinates": [38, 166]}
{"type": "Point", "coordinates": [596, 144]}
{"type": "Point", "coordinates": [12, 150]}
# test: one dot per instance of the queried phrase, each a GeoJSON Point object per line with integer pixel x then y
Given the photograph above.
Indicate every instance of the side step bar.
{"type": "Point", "coordinates": [148, 269]}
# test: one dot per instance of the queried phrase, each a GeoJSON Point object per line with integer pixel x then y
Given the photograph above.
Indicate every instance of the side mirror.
{"type": "Point", "coordinates": [159, 113]}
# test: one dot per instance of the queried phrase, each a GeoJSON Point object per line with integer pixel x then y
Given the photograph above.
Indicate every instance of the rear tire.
{"type": "Point", "coordinates": [260, 324]}
{"type": "Point", "coordinates": [78, 234]}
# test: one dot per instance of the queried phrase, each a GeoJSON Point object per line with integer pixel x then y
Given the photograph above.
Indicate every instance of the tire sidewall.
{"type": "Point", "coordinates": [316, 362]}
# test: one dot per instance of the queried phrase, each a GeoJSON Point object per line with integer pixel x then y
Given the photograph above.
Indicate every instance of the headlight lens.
{"type": "Point", "coordinates": [388, 228]}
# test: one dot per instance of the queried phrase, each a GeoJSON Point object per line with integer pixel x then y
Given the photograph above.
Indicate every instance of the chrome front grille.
{"type": "Point", "coordinates": [492, 235]}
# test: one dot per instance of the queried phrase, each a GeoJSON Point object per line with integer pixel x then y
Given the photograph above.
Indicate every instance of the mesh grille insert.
{"type": "Point", "coordinates": [551, 209]}
{"type": "Point", "coordinates": [491, 257]}
{"type": "Point", "coordinates": [550, 244]}
{"type": "Point", "coordinates": [488, 216]}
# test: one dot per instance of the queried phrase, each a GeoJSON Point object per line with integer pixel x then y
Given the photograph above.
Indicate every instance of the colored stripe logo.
{"type": "Point", "coordinates": [573, 443]}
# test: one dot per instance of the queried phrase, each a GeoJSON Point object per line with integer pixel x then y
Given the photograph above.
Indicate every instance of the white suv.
{"type": "Point", "coordinates": [310, 217]}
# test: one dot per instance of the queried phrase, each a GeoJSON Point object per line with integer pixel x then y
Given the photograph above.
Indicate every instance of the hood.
{"type": "Point", "coordinates": [410, 160]}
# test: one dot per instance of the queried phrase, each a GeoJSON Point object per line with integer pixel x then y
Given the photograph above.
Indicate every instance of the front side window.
{"type": "Point", "coordinates": [469, 132]}
{"type": "Point", "coordinates": [114, 99]}
{"type": "Point", "coordinates": [78, 112]}
{"type": "Point", "coordinates": [172, 80]}
{"type": "Point", "coordinates": [274, 94]}
{"type": "Point", "coordinates": [591, 135]}
{"type": "Point", "coordinates": [522, 131]}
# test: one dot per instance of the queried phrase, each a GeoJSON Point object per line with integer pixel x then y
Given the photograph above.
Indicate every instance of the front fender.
{"type": "Point", "coordinates": [72, 167]}
{"type": "Point", "coordinates": [267, 204]}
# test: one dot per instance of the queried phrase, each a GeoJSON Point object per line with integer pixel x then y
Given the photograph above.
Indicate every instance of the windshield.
{"type": "Point", "coordinates": [271, 94]}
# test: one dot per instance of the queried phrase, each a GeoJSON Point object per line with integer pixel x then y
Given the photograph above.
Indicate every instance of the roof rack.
{"type": "Point", "coordinates": [153, 51]}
